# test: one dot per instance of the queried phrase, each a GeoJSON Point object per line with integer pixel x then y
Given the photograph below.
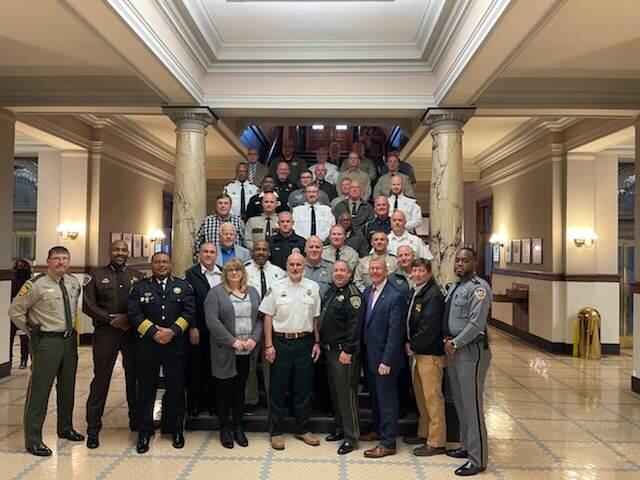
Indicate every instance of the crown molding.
{"type": "Point", "coordinates": [366, 102]}
{"type": "Point", "coordinates": [128, 12]}
{"type": "Point", "coordinates": [135, 165]}
{"type": "Point", "coordinates": [491, 16]}
{"type": "Point", "coordinates": [320, 68]}
{"type": "Point", "coordinates": [527, 133]}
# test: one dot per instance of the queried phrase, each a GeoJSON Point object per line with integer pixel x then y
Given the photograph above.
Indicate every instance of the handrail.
{"type": "Point", "coordinates": [274, 145]}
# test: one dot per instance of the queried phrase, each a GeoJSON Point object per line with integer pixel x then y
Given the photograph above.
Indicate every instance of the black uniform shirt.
{"type": "Point", "coordinates": [341, 317]}
{"type": "Point", "coordinates": [106, 291]}
{"type": "Point", "coordinates": [281, 248]}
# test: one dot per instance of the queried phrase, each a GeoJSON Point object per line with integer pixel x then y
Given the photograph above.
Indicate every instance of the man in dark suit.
{"type": "Point", "coordinates": [202, 277]}
{"type": "Point", "coordinates": [383, 340]}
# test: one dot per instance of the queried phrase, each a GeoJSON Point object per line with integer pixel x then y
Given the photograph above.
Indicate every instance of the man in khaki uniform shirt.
{"type": "Point", "coordinates": [379, 242]}
{"type": "Point", "coordinates": [45, 310]}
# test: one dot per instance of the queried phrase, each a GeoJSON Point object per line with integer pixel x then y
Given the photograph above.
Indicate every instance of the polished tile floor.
{"type": "Point", "coordinates": [549, 417]}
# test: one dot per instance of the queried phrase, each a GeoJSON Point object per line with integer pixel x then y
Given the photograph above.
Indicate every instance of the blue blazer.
{"type": "Point", "coordinates": [384, 329]}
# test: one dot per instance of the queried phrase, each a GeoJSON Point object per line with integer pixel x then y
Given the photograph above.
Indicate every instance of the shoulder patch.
{"type": "Point", "coordinates": [480, 293]}
{"type": "Point", "coordinates": [87, 280]}
{"type": "Point", "coordinates": [356, 302]}
{"type": "Point", "coordinates": [25, 289]}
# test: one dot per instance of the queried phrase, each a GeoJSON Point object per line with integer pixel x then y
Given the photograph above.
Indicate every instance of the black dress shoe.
{"type": "Point", "coordinates": [240, 437]}
{"type": "Point", "coordinates": [250, 409]}
{"type": "Point", "coordinates": [71, 435]}
{"type": "Point", "coordinates": [40, 450]}
{"type": "Point", "coordinates": [468, 469]}
{"type": "Point", "coordinates": [457, 453]}
{"type": "Point", "coordinates": [225, 438]}
{"type": "Point", "coordinates": [414, 440]}
{"type": "Point", "coordinates": [143, 444]}
{"type": "Point", "coordinates": [93, 441]}
{"type": "Point", "coordinates": [346, 447]}
{"type": "Point", "coordinates": [334, 437]}
{"type": "Point", "coordinates": [177, 440]}
{"type": "Point", "coordinates": [23, 364]}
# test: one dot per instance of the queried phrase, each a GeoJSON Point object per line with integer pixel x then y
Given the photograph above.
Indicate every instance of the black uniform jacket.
{"type": "Point", "coordinates": [201, 288]}
{"type": "Point", "coordinates": [106, 291]}
{"type": "Point", "coordinates": [425, 322]}
{"type": "Point", "coordinates": [341, 318]}
{"type": "Point", "coordinates": [174, 308]}
{"type": "Point", "coordinates": [281, 248]}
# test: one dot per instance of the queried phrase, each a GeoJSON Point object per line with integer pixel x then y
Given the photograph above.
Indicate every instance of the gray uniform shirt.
{"type": "Point", "coordinates": [321, 274]}
{"type": "Point", "coordinates": [469, 309]}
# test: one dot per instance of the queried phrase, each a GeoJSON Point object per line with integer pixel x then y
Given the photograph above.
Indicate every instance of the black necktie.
{"type": "Point", "coordinates": [268, 228]}
{"type": "Point", "coordinates": [337, 254]}
{"type": "Point", "coordinates": [243, 201]}
{"type": "Point", "coordinates": [313, 220]}
{"type": "Point", "coordinates": [353, 209]}
{"type": "Point", "coordinates": [263, 282]}
{"type": "Point", "coordinates": [395, 204]}
{"type": "Point", "coordinates": [67, 308]}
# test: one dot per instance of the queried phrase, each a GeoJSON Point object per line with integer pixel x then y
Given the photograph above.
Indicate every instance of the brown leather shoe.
{"type": "Point", "coordinates": [309, 438]}
{"type": "Point", "coordinates": [370, 437]}
{"type": "Point", "coordinates": [277, 442]}
{"type": "Point", "coordinates": [379, 451]}
{"type": "Point", "coordinates": [428, 451]}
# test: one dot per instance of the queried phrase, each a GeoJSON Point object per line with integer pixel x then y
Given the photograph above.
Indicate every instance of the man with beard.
{"type": "Point", "coordinates": [106, 293]}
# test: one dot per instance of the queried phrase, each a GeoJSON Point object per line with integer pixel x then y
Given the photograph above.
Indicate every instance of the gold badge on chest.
{"type": "Point", "coordinates": [177, 290]}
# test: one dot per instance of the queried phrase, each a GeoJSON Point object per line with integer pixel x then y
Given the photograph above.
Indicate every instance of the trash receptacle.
{"type": "Point", "coordinates": [586, 334]}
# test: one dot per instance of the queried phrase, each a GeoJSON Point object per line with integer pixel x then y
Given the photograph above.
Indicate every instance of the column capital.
{"type": "Point", "coordinates": [439, 119]}
{"type": "Point", "coordinates": [191, 118]}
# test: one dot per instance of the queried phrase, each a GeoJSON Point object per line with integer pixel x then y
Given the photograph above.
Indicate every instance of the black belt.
{"type": "Point", "coordinates": [57, 334]}
{"type": "Point", "coordinates": [332, 347]}
{"type": "Point", "coordinates": [292, 336]}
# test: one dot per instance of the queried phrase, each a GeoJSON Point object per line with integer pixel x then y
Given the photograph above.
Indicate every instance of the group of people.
{"type": "Point", "coordinates": [281, 283]}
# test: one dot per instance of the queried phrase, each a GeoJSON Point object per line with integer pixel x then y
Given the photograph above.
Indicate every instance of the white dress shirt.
{"type": "Point", "coordinates": [302, 220]}
{"type": "Point", "coordinates": [271, 274]}
{"type": "Point", "coordinates": [332, 172]}
{"type": "Point", "coordinates": [214, 277]}
{"type": "Point", "coordinates": [234, 190]}
{"type": "Point", "coordinates": [419, 248]}
{"type": "Point", "coordinates": [376, 294]}
{"type": "Point", "coordinates": [410, 208]}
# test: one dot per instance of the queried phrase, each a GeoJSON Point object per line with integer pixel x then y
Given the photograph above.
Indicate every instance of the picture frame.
{"type": "Point", "coordinates": [146, 246]}
{"type": "Point", "coordinates": [536, 251]}
{"type": "Point", "coordinates": [137, 245]}
{"type": "Point", "coordinates": [515, 251]}
{"type": "Point", "coordinates": [496, 253]}
{"type": "Point", "coordinates": [115, 236]}
{"type": "Point", "coordinates": [526, 251]}
{"type": "Point", "coordinates": [128, 239]}
{"type": "Point", "coordinates": [507, 252]}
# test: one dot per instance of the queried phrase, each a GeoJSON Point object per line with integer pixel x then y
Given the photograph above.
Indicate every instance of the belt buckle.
{"type": "Point", "coordinates": [290, 336]}
{"type": "Point", "coordinates": [68, 333]}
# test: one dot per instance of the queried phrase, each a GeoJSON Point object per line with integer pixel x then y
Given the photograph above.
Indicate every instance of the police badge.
{"type": "Point", "coordinates": [177, 290]}
{"type": "Point", "coordinates": [356, 302]}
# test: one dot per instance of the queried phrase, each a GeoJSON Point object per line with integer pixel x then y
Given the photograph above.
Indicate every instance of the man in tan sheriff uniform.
{"type": "Point", "coordinates": [45, 309]}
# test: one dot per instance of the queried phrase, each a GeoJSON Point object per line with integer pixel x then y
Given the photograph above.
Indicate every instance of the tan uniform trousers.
{"type": "Point", "coordinates": [427, 384]}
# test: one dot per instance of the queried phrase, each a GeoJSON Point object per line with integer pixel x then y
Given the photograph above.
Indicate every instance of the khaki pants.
{"type": "Point", "coordinates": [427, 384]}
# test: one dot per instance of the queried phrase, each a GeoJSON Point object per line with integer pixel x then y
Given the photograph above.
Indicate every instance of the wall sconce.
{"type": "Point", "coordinates": [156, 234]}
{"type": "Point", "coordinates": [498, 239]}
{"type": "Point", "coordinates": [68, 231]}
{"type": "Point", "coordinates": [583, 237]}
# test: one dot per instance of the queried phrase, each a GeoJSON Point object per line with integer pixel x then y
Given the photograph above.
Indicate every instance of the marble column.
{"type": "Point", "coordinates": [190, 189]}
{"type": "Point", "coordinates": [446, 196]}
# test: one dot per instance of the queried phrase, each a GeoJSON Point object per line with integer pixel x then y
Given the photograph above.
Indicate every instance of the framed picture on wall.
{"type": "Point", "coordinates": [157, 246]}
{"type": "Point", "coordinates": [536, 251]}
{"type": "Point", "coordinates": [515, 251]}
{"type": "Point", "coordinates": [146, 246]}
{"type": "Point", "coordinates": [496, 253]}
{"type": "Point", "coordinates": [115, 236]}
{"type": "Point", "coordinates": [526, 250]}
{"type": "Point", "coordinates": [128, 239]}
{"type": "Point", "coordinates": [137, 245]}
{"type": "Point", "coordinates": [507, 252]}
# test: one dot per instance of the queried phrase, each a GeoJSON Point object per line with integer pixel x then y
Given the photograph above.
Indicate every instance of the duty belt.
{"type": "Point", "coordinates": [332, 347]}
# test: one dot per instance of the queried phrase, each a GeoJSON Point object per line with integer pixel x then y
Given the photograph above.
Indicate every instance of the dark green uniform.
{"type": "Point", "coordinates": [340, 326]}
{"type": "Point", "coordinates": [45, 309]}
